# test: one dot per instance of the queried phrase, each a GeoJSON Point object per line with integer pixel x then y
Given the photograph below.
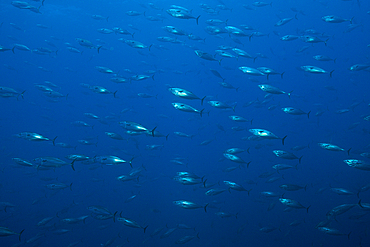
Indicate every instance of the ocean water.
{"type": "Point", "coordinates": [55, 201]}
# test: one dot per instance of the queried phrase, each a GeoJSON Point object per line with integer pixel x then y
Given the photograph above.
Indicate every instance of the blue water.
{"type": "Point", "coordinates": [24, 189]}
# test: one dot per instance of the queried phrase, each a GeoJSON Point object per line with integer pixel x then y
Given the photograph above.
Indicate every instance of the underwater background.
{"type": "Point", "coordinates": [96, 79]}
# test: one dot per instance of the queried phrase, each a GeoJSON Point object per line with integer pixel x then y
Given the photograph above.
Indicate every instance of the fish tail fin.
{"type": "Point", "coordinates": [131, 161]}
{"type": "Point", "coordinates": [99, 48]}
{"type": "Point", "coordinates": [248, 150]}
{"type": "Point", "coordinates": [197, 19]}
{"type": "Point", "coordinates": [283, 139]}
{"type": "Point", "coordinates": [204, 183]}
{"type": "Point", "coordinates": [114, 216]}
{"type": "Point", "coordinates": [348, 151]}
{"type": "Point", "coordinates": [202, 99]}
{"type": "Point", "coordinates": [350, 20]}
{"type": "Point", "coordinates": [249, 191]}
{"type": "Point", "coordinates": [70, 186]}
{"type": "Point", "coordinates": [326, 41]}
{"type": "Point", "coordinates": [73, 164]}
{"type": "Point", "coordinates": [282, 75]}
{"type": "Point", "coordinates": [248, 164]}
{"type": "Point", "coordinates": [331, 72]}
{"type": "Point", "coordinates": [300, 158]}
{"type": "Point", "coordinates": [20, 234]}
{"type": "Point", "coordinates": [150, 47]}
{"type": "Point", "coordinates": [54, 140]}
{"type": "Point", "coordinates": [289, 94]}
{"type": "Point", "coordinates": [21, 94]}
{"type": "Point", "coordinates": [308, 114]}
{"type": "Point", "coordinates": [308, 208]}
{"type": "Point", "coordinates": [114, 94]}
{"type": "Point", "coordinates": [205, 207]}
{"type": "Point", "coordinates": [145, 228]}
{"type": "Point", "coordinates": [153, 130]}
{"type": "Point", "coordinates": [13, 49]}
{"type": "Point", "coordinates": [201, 112]}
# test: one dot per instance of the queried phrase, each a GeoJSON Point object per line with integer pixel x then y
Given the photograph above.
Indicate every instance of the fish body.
{"type": "Point", "coordinates": [292, 187]}
{"type": "Point", "coordinates": [220, 105]}
{"type": "Point", "coordinates": [273, 90]}
{"type": "Point", "coordinates": [335, 19]}
{"type": "Point", "coordinates": [251, 71]}
{"type": "Point", "coordinates": [182, 93]}
{"type": "Point", "coordinates": [189, 205]}
{"type": "Point", "coordinates": [181, 14]}
{"type": "Point", "coordinates": [130, 223]}
{"type": "Point", "coordinates": [289, 37]}
{"type": "Point", "coordinates": [205, 55]}
{"type": "Point", "coordinates": [286, 155]}
{"type": "Point", "coordinates": [235, 186]}
{"type": "Point", "coordinates": [295, 111]}
{"type": "Point", "coordinates": [187, 108]}
{"type": "Point", "coordinates": [214, 192]}
{"type": "Point", "coordinates": [234, 158]}
{"type": "Point", "coordinates": [358, 164]}
{"type": "Point", "coordinates": [31, 136]}
{"type": "Point", "coordinates": [315, 70]}
{"type": "Point", "coordinates": [330, 147]}
{"type": "Point", "coordinates": [292, 203]}
{"type": "Point", "coordinates": [265, 134]}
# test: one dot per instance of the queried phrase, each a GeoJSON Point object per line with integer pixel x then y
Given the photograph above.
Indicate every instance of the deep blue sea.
{"type": "Point", "coordinates": [268, 144]}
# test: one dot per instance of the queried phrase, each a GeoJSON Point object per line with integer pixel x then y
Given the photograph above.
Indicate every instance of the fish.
{"type": "Point", "coordinates": [295, 111]}
{"type": "Point", "coordinates": [286, 155]}
{"type": "Point", "coordinates": [130, 223]}
{"type": "Point", "coordinates": [315, 70]}
{"type": "Point", "coordinates": [4, 232]}
{"type": "Point", "coordinates": [189, 205]}
{"type": "Point", "coordinates": [186, 108]}
{"type": "Point", "coordinates": [220, 105]}
{"type": "Point", "coordinates": [235, 186]}
{"type": "Point", "coordinates": [185, 94]}
{"type": "Point", "coordinates": [100, 17]}
{"type": "Point", "coordinates": [332, 231]}
{"type": "Point", "coordinates": [185, 239]}
{"type": "Point", "coordinates": [266, 134]}
{"type": "Point", "coordinates": [323, 58]}
{"type": "Point", "coordinates": [335, 19]}
{"type": "Point", "coordinates": [292, 204]}
{"type": "Point", "coordinates": [181, 13]}
{"type": "Point", "coordinates": [206, 56]}
{"type": "Point", "coordinates": [289, 37]}
{"type": "Point", "coordinates": [135, 44]}
{"type": "Point", "coordinates": [332, 147]}
{"type": "Point", "coordinates": [284, 21]}
{"type": "Point", "coordinates": [273, 90]}
{"type": "Point", "coordinates": [358, 164]}
{"type": "Point", "coordinates": [251, 71]}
